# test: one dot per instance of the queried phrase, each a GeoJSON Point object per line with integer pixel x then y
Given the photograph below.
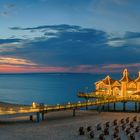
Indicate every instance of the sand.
{"type": "Point", "coordinates": [56, 126]}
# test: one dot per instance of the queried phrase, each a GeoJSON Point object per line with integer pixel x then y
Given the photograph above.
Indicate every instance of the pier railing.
{"type": "Point", "coordinates": [47, 108]}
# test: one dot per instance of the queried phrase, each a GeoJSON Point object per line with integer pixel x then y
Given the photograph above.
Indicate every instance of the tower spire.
{"type": "Point", "coordinates": [125, 76]}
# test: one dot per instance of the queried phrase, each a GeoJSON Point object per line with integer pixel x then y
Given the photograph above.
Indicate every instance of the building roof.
{"type": "Point", "coordinates": [116, 83]}
{"type": "Point", "coordinates": [125, 77]}
{"type": "Point", "coordinates": [108, 80]}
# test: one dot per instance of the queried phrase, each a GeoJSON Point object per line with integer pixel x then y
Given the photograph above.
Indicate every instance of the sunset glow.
{"type": "Point", "coordinates": [52, 36]}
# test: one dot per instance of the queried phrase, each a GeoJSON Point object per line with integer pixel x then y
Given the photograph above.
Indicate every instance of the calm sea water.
{"type": "Point", "coordinates": [47, 88]}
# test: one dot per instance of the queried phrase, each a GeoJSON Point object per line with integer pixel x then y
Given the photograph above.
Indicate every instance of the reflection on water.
{"type": "Point", "coordinates": [47, 88]}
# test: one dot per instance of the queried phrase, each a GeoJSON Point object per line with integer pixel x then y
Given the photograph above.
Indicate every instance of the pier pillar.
{"type": "Point", "coordinates": [74, 112]}
{"type": "Point", "coordinates": [31, 117]}
{"type": "Point", "coordinates": [86, 103]}
{"type": "Point", "coordinates": [124, 106]}
{"type": "Point", "coordinates": [135, 106]}
{"type": "Point", "coordinates": [99, 108]}
{"type": "Point", "coordinates": [42, 116]}
{"type": "Point", "coordinates": [38, 118]}
{"type": "Point", "coordinates": [103, 107]}
{"type": "Point", "coordinates": [138, 107]}
{"type": "Point", "coordinates": [108, 108]}
{"type": "Point", "coordinates": [114, 106]}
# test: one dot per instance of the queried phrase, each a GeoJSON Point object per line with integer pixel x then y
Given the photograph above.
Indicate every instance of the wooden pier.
{"type": "Point", "coordinates": [39, 110]}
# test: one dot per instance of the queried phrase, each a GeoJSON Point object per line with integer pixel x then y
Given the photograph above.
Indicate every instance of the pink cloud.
{"type": "Point", "coordinates": [115, 66]}
{"type": "Point", "coordinates": [109, 68]}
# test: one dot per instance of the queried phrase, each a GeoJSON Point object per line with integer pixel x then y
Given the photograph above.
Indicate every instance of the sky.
{"type": "Point", "coordinates": [82, 36]}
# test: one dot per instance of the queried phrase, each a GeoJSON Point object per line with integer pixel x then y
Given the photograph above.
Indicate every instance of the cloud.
{"type": "Point", "coordinates": [9, 45]}
{"type": "Point", "coordinates": [4, 14]}
{"type": "Point", "coordinates": [9, 6]}
{"type": "Point", "coordinates": [128, 39]}
{"type": "Point", "coordinates": [61, 27]}
{"type": "Point", "coordinates": [69, 41]}
{"type": "Point", "coordinates": [15, 61]}
{"type": "Point", "coordinates": [7, 10]}
{"type": "Point", "coordinates": [2, 41]}
{"type": "Point", "coordinates": [70, 48]}
{"type": "Point", "coordinates": [130, 35]}
{"type": "Point", "coordinates": [116, 66]}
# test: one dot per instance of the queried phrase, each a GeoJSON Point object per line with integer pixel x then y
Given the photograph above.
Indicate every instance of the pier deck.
{"type": "Point", "coordinates": [10, 109]}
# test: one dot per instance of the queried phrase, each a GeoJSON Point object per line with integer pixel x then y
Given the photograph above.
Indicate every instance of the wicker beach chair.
{"type": "Point", "coordinates": [81, 131]}
{"type": "Point", "coordinates": [98, 127]}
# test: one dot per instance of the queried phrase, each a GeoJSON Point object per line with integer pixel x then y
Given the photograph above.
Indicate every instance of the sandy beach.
{"type": "Point", "coordinates": [56, 126]}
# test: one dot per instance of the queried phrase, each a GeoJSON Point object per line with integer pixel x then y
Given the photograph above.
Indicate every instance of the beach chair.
{"type": "Point", "coordinates": [123, 126]}
{"type": "Point", "coordinates": [116, 129]}
{"type": "Point", "coordinates": [137, 129]}
{"type": "Point", "coordinates": [89, 128]}
{"type": "Point", "coordinates": [127, 131]}
{"type": "Point", "coordinates": [98, 127]}
{"type": "Point", "coordinates": [135, 118]}
{"type": "Point", "coordinates": [115, 122]}
{"type": "Point", "coordinates": [107, 124]}
{"type": "Point", "coordinates": [131, 136]}
{"type": "Point", "coordinates": [81, 131]}
{"type": "Point", "coordinates": [106, 131]}
{"type": "Point", "coordinates": [91, 134]}
{"type": "Point", "coordinates": [131, 124]}
{"type": "Point", "coordinates": [101, 137]}
{"type": "Point", "coordinates": [127, 120]}
{"type": "Point", "coordinates": [122, 121]}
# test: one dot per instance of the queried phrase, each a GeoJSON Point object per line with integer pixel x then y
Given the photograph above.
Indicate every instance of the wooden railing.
{"type": "Point", "coordinates": [48, 108]}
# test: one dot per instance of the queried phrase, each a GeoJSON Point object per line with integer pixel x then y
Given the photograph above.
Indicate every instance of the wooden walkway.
{"type": "Point", "coordinates": [7, 109]}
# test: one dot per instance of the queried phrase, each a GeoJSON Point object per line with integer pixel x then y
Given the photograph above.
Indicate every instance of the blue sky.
{"type": "Point", "coordinates": [69, 35]}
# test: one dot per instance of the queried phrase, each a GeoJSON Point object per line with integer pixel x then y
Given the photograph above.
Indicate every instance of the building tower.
{"type": "Point", "coordinates": [138, 81]}
{"type": "Point", "coordinates": [124, 81]}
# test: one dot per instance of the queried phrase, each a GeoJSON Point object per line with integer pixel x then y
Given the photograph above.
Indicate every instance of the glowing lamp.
{"type": "Point", "coordinates": [33, 105]}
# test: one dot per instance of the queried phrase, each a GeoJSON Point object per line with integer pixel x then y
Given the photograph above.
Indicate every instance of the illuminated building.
{"type": "Point", "coordinates": [123, 87]}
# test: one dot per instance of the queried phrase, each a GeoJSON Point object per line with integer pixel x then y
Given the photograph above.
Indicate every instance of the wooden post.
{"type": "Point", "coordinates": [31, 117]}
{"type": "Point", "coordinates": [86, 103]}
{"type": "Point", "coordinates": [42, 115]}
{"type": "Point", "coordinates": [103, 107]}
{"type": "Point", "coordinates": [73, 112]}
{"type": "Point", "coordinates": [38, 119]}
{"type": "Point", "coordinates": [139, 107]}
{"type": "Point", "coordinates": [99, 109]}
{"type": "Point", "coordinates": [108, 107]}
{"type": "Point", "coordinates": [124, 108]}
{"type": "Point", "coordinates": [135, 106]}
{"type": "Point", "coordinates": [114, 106]}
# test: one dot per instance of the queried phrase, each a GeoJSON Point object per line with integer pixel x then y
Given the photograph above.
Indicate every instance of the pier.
{"type": "Point", "coordinates": [107, 91]}
{"type": "Point", "coordinates": [40, 110]}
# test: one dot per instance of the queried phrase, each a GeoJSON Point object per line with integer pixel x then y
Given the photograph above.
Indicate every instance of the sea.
{"type": "Point", "coordinates": [49, 88]}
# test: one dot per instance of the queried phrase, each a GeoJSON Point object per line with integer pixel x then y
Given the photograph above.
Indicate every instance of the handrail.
{"type": "Point", "coordinates": [28, 109]}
